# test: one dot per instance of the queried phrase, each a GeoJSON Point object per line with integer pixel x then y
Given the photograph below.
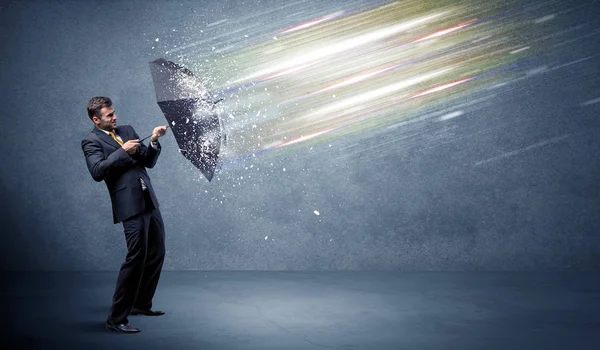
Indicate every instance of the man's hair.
{"type": "Point", "coordinates": [96, 104]}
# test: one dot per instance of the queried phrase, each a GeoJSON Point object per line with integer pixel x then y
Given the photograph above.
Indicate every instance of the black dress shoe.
{"type": "Point", "coordinates": [135, 311]}
{"type": "Point", "coordinates": [121, 328]}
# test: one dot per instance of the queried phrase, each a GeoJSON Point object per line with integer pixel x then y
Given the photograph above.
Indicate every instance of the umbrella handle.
{"type": "Point", "coordinates": [149, 136]}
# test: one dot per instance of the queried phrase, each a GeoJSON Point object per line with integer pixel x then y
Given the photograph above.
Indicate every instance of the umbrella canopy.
{"type": "Point", "coordinates": [189, 110]}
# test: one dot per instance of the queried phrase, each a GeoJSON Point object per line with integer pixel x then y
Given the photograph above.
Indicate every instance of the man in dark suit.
{"type": "Point", "coordinates": [116, 155]}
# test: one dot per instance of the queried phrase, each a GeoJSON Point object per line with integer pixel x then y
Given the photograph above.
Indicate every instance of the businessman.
{"type": "Point", "coordinates": [116, 156]}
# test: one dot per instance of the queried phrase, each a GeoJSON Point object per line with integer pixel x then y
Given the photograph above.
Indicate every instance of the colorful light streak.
{"type": "Point", "coordinates": [361, 69]}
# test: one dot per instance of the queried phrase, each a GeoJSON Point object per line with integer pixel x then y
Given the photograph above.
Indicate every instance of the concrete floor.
{"type": "Point", "coordinates": [311, 310]}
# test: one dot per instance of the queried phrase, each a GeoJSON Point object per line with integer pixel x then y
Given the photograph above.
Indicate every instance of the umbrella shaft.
{"type": "Point", "coordinates": [149, 136]}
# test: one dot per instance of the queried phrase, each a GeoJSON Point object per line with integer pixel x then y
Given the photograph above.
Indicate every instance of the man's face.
{"type": "Point", "coordinates": [107, 120]}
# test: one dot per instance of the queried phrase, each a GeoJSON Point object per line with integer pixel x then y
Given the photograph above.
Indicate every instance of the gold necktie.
{"type": "Point", "coordinates": [114, 136]}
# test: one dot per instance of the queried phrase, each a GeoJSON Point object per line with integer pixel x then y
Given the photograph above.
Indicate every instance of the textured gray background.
{"type": "Point", "coordinates": [470, 193]}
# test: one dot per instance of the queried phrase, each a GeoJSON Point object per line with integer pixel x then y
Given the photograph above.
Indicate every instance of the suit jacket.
{"type": "Point", "coordinates": [107, 160]}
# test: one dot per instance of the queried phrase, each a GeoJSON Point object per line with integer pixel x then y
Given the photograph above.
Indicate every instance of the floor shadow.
{"type": "Point", "coordinates": [22, 341]}
{"type": "Point", "coordinates": [98, 309]}
{"type": "Point", "coordinates": [95, 326]}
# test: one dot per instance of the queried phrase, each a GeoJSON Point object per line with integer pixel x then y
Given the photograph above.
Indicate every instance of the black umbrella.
{"type": "Point", "coordinates": [189, 109]}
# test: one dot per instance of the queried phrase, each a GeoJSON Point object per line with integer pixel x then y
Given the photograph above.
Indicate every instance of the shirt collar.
{"type": "Point", "coordinates": [104, 131]}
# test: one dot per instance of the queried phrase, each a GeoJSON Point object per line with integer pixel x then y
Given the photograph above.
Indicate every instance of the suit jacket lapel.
{"type": "Point", "coordinates": [124, 135]}
{"type": "Point", "coordinates": [106, 138]}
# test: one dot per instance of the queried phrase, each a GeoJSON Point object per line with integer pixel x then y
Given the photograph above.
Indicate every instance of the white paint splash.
{"type": "Point", "coordinates": [590, 102]}
{"type": "Point", "coordinates": [545, 18]}
{"type": "Point", "coordinates": [451, 115]}
{"type": "Point", "coordinates": [519, 50]}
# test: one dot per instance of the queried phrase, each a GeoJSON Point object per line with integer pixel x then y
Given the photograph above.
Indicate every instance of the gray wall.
{"type": "Point", "coordinates": [511, 184]}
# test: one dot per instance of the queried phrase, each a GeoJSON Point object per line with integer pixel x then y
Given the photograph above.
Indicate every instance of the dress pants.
{"type": "Point", "coordinates": [139, 274]}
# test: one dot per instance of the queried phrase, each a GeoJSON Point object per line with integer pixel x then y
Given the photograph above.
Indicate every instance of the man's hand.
{"type": "Point", "coordinates": [158, 132]}
{"type": "Point", "coordinates": [131, 146]}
